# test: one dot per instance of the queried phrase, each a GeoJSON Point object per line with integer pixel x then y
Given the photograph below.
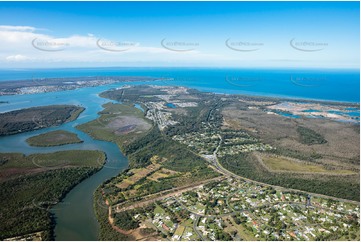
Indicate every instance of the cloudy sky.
{"type": "Point", "coordinates": [232, 34]}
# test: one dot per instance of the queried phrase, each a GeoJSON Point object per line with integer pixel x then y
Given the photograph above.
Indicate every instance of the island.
{"type": "Point", "coordinates": [34, 118]}
{"type": "Point", "coordinates": [54, 138]}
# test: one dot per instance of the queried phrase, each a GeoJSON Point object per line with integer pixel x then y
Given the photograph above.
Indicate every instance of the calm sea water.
{"type": "Point", "coordinates": [336, 85]}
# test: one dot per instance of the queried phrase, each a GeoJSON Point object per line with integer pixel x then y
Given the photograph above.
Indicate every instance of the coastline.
{"type": "Point", "coordinates": [293, 98]}
{"type": "Point", "coordinates": [319, 84]}
{"type": "Point", "coordinates": [158, 81]}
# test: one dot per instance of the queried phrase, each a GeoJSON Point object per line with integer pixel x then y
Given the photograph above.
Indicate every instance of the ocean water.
{"type": "Point", "coordinates": [334, 85]}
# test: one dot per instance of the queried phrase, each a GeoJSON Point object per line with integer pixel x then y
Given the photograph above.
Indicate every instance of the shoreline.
{"type": "Point", "coordinates": [151, 79]}
{"type": "Point", "coordinates": [295, 99]}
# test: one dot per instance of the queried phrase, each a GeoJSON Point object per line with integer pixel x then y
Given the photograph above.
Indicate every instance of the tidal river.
{"type": "Point", "coordinates": [75, 217]}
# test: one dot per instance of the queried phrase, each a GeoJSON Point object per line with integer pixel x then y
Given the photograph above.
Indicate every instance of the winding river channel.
{"type": "Point", "coordinates": [75, 217]}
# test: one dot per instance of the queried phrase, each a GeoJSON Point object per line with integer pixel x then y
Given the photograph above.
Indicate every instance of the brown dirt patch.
{"type": "Point", "coordinates": [129, 124]}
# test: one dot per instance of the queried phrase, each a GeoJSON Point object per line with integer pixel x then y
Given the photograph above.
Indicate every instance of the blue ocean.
{"type": "Point", "coordinates": [323, 84]}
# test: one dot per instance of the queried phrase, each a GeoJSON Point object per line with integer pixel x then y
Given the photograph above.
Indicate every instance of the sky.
{"type": "Point", "coordinates": [180, 34]}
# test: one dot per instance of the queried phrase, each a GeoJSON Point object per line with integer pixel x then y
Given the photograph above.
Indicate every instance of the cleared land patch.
{"type": "Point", "coordinates": [138, 174]}
{"type": "Point", "coordinates": [162, 173]}
{"type": "Point", "coordinates": [284, 164]}
{"type": "Point", "coordinates": [129, 124]}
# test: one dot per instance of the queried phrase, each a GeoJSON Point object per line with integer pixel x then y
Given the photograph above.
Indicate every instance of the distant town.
{"type": "Point", "coordinates": [43, 85]}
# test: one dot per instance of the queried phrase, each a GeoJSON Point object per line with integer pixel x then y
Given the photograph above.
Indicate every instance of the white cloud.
{"type": "Point", "coordinates": [16, 28]}
{"type": "Point", "coordinates": [17, 58]}
{"type": "Point", "coordinates": [17, 43]}
{"type": "Point", "coordinates": [18, 47]}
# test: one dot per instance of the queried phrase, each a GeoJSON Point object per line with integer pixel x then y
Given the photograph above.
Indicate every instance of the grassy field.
{"type": "Point", "coordinates": [180, 230]}
{"type": "Point", "coordinates": [138, 174]}
{"type": "Point", "coordinates": [54, 138]}
{"type": "Point", "coordinates": [162, 173]}
{"type": "Point", "coordinates": [277, 163]}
